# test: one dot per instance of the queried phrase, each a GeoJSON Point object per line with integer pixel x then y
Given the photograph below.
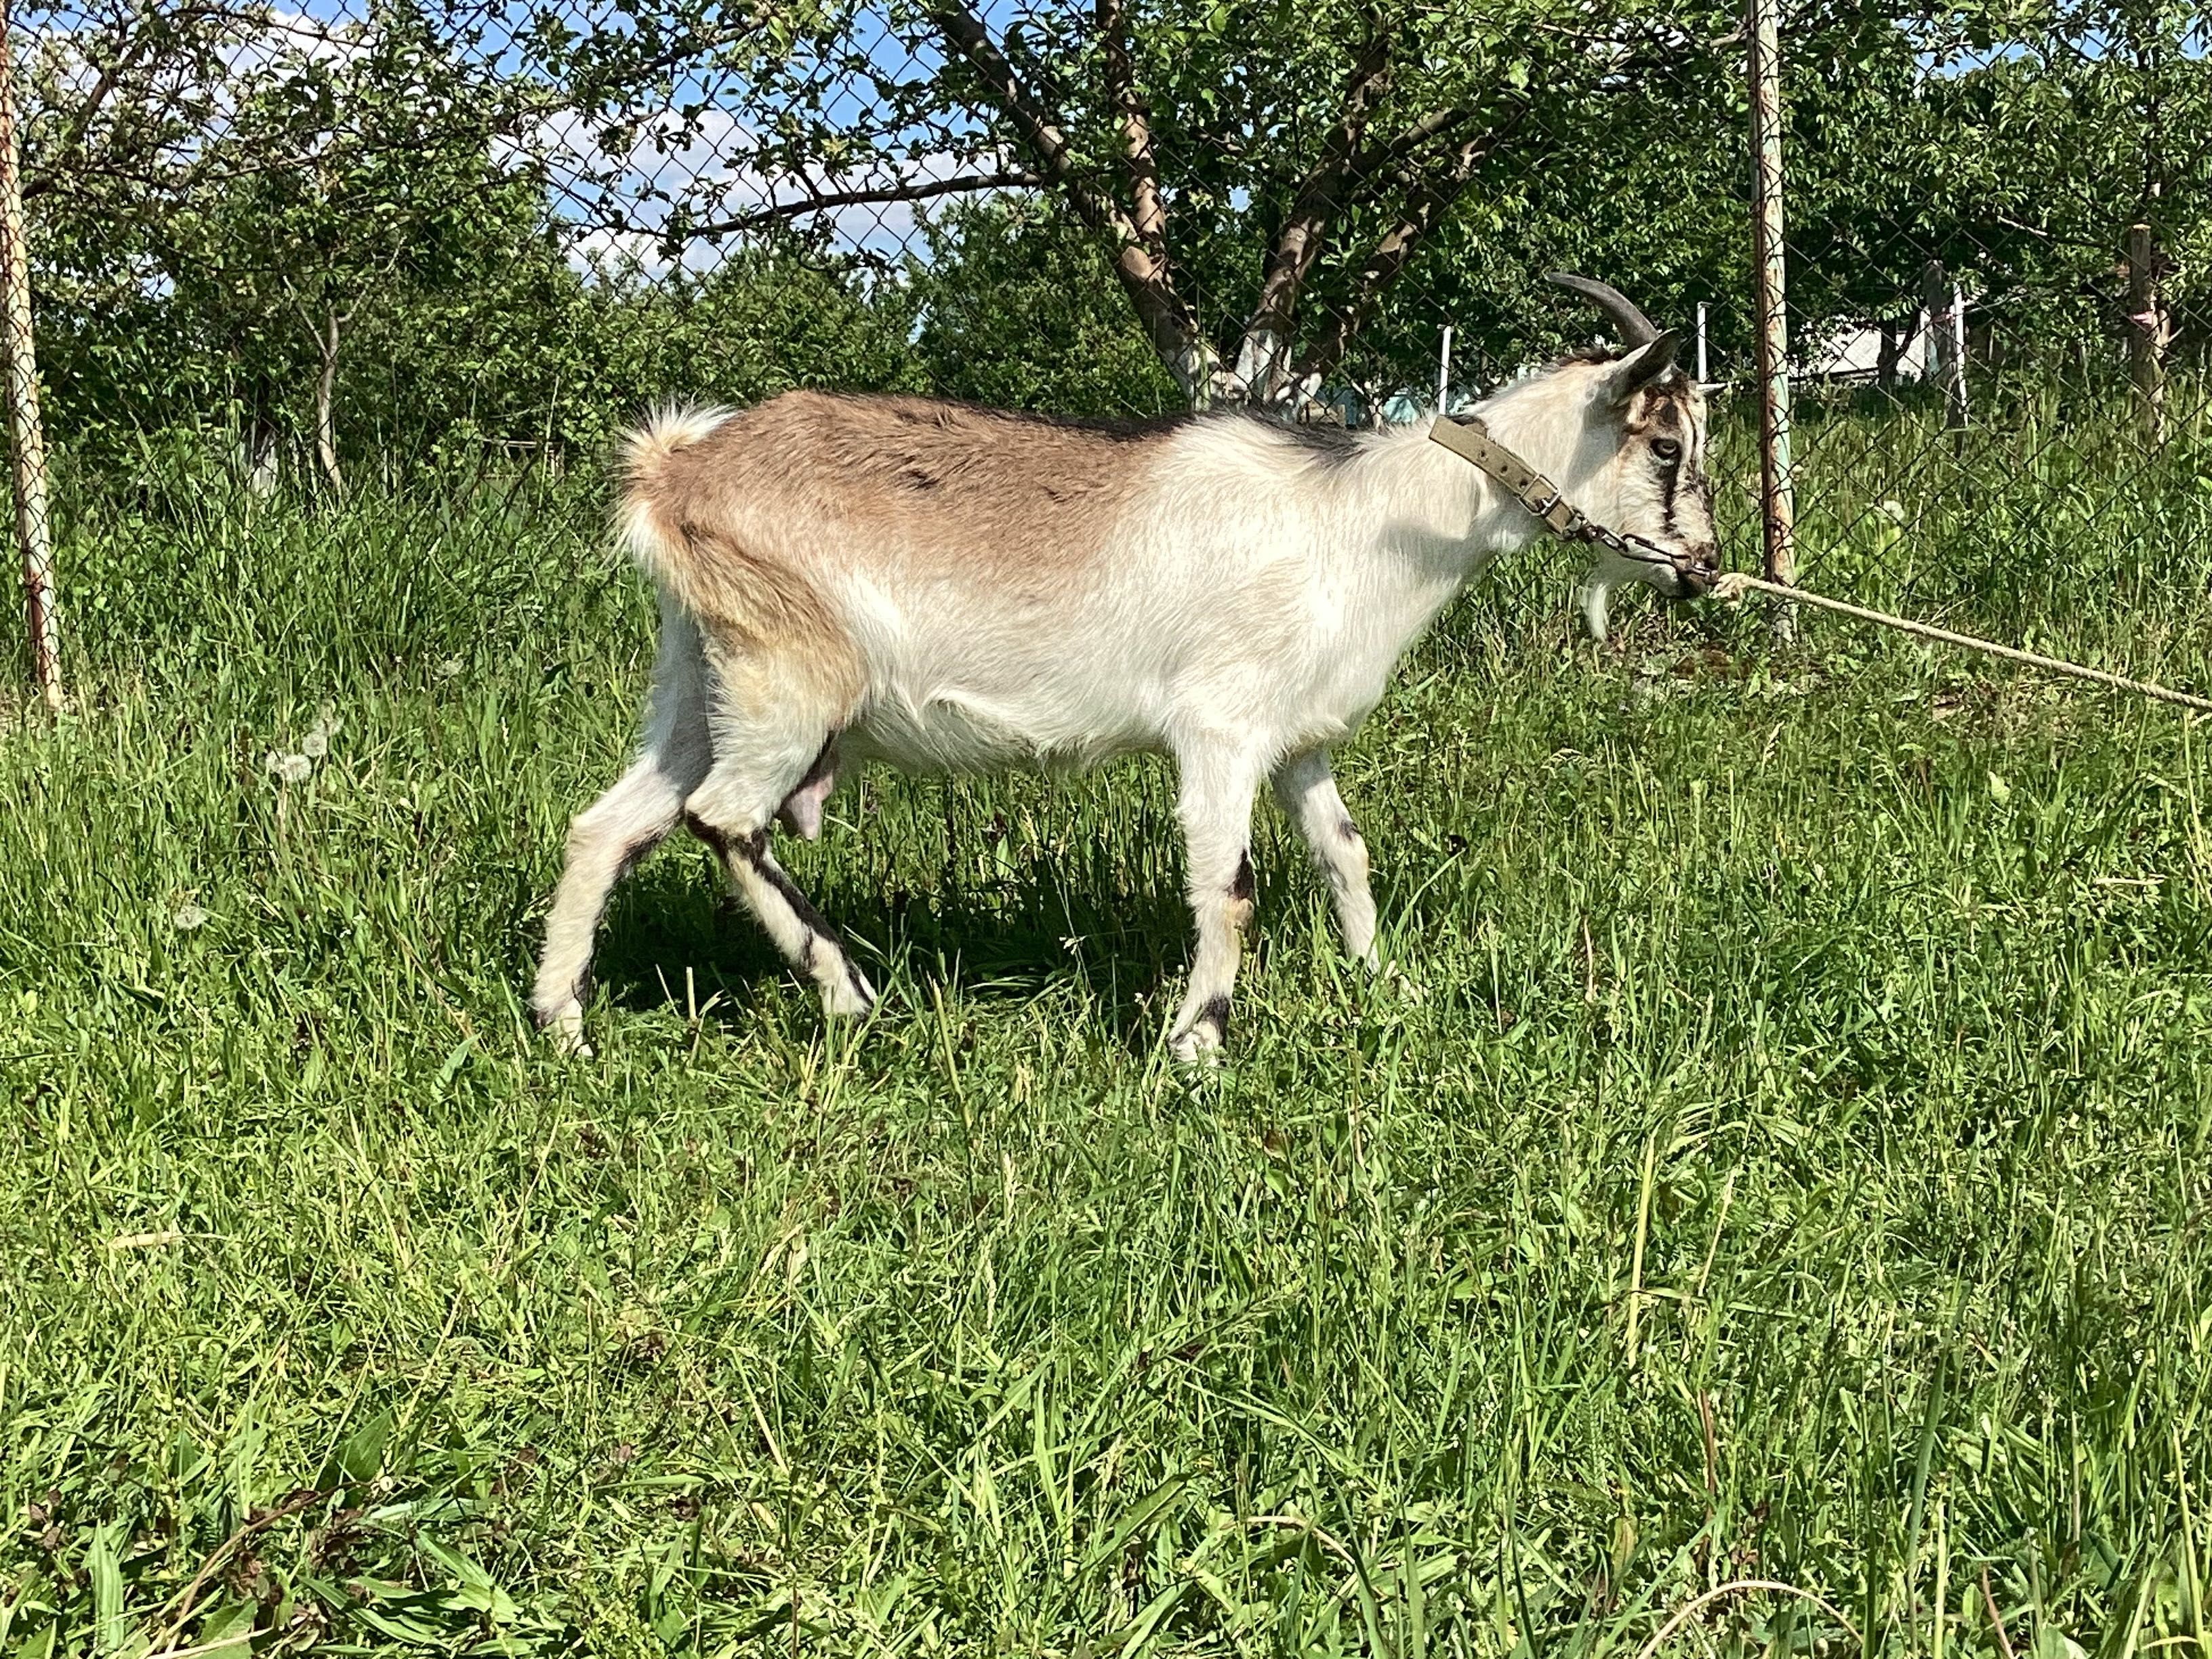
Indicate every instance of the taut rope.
{"type": "Point", "coordinates": [1468, 438]}
{"type": "Point", "coordinates": [1734, 584]}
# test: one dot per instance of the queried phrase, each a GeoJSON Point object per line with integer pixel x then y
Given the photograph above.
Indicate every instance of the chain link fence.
{"type": "Point", "coordinates": [369, 239]}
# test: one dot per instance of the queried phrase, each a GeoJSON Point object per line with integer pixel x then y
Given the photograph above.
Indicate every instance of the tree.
{"type": "Point", "coordinates": [389, 183]}
{"type": "Point", "coordinates": [220, 188]}
{"type": "Point", "coordinates": [1259, 175]}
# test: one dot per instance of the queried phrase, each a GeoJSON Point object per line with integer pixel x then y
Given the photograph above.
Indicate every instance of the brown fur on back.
{"type": "Point", "coordinates": [1011, 498]}
{"type": "Point", "coordinates": [742, 515]}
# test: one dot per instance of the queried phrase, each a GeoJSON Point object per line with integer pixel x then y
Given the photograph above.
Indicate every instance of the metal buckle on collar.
{"type": "Point", "coordinates": [1556, 513]}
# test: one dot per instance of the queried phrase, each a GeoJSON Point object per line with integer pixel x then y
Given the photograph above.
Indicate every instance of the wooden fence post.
{"type": "Point", "coordinates": [2149, 330]}
{"type": "Point", "coordinates": [1943, 307]}
{"type": "Point", "coordinates": [27, 444]}
{"type": "Point", "coordinates": [1776, 498]}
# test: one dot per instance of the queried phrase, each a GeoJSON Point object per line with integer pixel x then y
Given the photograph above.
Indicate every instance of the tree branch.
{"type": "Point", "coordinates": [129, 48]}
{"type": "Point", "coordinates": [609, 78]}
{"type": "Point", "coordinates": [1431, 197]}
{"type": "Point", "coordinates": [919, 190]}
{"type": "Point", "coordinates": [1437, 123]}
{"type": "Point", "coordinates": [1149, 214]}
{"type": "Point", "coordinates": [1144, 272]}
{"type": "Point", "coordinates": [1304, 229]}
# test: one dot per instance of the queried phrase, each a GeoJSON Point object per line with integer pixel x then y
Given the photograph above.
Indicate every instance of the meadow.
{"type": "Point", "coordinates": [1779, 1152]}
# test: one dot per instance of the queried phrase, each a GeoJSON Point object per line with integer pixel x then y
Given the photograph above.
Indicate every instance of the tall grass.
{"type": "Point", "coordinates": [1780, 1153]}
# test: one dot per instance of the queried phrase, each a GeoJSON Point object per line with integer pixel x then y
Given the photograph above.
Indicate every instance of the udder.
{"type": "Point", "coordinates": [801, 810]}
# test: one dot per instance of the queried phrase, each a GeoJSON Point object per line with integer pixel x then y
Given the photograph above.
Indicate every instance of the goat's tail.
{"type": "Point", "coordinates": [661, 550]}
{"type": "Point", "coordinates": [756, 602]}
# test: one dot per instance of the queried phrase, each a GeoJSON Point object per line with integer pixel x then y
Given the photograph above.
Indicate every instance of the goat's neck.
{"type": "Point", "coordinates": [1437, 516]}
{"type": "Point", "coordinates": [1545, 422]}
{"type": "Point", "coordinates": [1419, 521]}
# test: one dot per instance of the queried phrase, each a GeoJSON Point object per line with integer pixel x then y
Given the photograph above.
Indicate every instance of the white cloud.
{"type": "Point", "coordinates": [709, 165]}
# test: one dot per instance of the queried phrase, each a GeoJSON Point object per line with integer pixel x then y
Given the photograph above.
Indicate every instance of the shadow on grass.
{"type": "Point", "coordinates": [1012, 941]}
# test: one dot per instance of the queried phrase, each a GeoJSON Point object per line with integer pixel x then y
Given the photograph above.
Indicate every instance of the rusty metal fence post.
{"type": "Point", "coordinates": [27, 444]}
{"type": "Point", "coordinates": [1777, 509]}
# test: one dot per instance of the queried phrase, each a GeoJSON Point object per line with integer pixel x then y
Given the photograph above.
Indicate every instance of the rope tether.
{"type": "Point", "coordinates": [1467, 437]}
{"type": "Point", "coordinates": [1734, 584]}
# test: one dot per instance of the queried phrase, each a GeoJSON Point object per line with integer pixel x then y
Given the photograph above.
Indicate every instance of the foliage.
{"type": "Point", "coordinates": [374, 198]}
{"type": "Point", "coordinates": [1018, 307]}
{"type": "Point", "coordinates": [229, 201]}
{"type": "Point", "coordinates": [2012, 143]}
{"type": "Point", "coordinates": [536, 358]}
{"type": "Point", "coordinates": [576, 357]}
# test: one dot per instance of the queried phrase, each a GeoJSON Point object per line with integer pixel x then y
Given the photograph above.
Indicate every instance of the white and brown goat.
{"type": "Point", "coordinates": [956, 589]}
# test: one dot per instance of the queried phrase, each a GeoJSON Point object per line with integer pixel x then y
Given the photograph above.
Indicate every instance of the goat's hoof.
{"type": "Point", "coordinates": [1401, 982]}
{"type": "Point", "coordinates": [564, 1030]}
{"type": "Point", "coordinates": [1197, 1048]}
{"type": "Point", "coordinates": [1198, 1042]}
{"type": "Point", "coordinates": [848, 997]}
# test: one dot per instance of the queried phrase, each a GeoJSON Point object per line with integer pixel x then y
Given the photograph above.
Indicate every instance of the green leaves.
{"type": "Point", "coordinates": [469, 1588]}
{"type": "Point", "coordinates": [103, 1568]}
{"type": "Point", "coordinates": [361, 1455]}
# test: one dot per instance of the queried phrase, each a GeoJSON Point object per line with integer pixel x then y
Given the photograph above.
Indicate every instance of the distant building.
{"type": "Point", "coordinates": [1852, 351]}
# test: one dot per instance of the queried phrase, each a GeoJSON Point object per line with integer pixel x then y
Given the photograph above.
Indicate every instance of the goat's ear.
{"type": "Point", "coordinates": [1641, 367]}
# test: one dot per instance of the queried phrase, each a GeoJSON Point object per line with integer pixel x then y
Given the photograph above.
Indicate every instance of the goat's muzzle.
{"type": "Point", "coordinates": [1695, 572]}
{"type": "Point", "coordinates": [1690, 572]}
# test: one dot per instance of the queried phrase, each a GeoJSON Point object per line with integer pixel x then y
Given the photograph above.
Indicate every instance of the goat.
{"type": "Point", "coordinates": [954, 589]}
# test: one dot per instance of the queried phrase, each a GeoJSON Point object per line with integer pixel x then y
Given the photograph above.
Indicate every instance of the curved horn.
{"type": "Point", "coordinates": [1636, 328]}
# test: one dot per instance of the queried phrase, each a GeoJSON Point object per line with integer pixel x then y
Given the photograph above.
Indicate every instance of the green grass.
{"type": "Point", "coordinates": [1783, 1155]}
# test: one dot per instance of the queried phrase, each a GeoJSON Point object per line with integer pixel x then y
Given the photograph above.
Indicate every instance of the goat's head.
{"type": "Point", "coordinates": [1640, 469]}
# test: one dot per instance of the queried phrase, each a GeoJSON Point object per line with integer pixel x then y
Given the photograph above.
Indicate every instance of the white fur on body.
{"type": "Point", "coordinates": [1244, 614]}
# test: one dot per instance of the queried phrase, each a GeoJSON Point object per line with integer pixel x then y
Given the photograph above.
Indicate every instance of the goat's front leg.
{"type": "Point", "coordinates": [1307, 791]}
{"type": "Point", "coordinates": [1214, 802]}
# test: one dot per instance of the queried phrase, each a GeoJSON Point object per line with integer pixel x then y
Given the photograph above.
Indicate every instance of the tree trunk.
{"type": "Point", "coordinates": [1897, 334]}
{"type": "Point", "coordinates": [259, 447]}
{"type": "Point", "coordinates": [2149, 332]}
{"type": "Point", "coordinates": [326, 430]}
{"type": "Point", "coordinates": [1940, 315]}
{"type": "Point", "coordinates": [1262, 365]}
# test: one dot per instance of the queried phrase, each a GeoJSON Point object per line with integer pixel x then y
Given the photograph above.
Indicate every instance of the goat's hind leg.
{"type": "Point", "coordinates": [625, 823]}
{"type": "Point", "coordinates": [773, 747]}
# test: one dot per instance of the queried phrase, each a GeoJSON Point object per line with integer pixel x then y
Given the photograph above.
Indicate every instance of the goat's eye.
{"type": "Point", "coordinates": [1667, 450]}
